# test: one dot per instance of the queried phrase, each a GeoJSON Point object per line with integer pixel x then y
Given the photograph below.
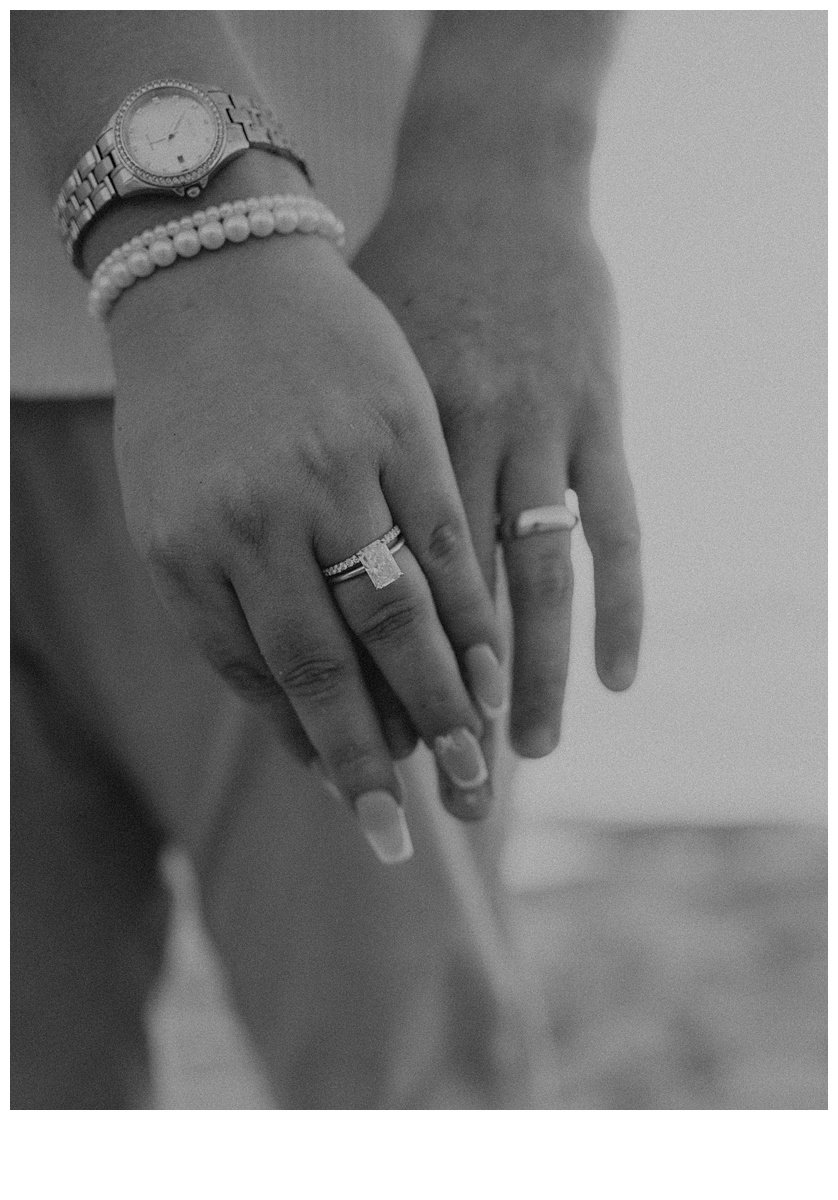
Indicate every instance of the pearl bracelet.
{"type": "Point", "coordinates": [208, 230]}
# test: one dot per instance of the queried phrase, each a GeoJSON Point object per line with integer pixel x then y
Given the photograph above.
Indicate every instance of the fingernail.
{"type": "Point", "coordinates": [318, 771]}
{"type": "Point", "coordinates": [467, 806]}
{"type": "Point", "coordinates": [535, 743]}
{"type": "Point", "coordinates": [384, 826]}
{"type": "Point", "coordinates": [461, 758]}
{"type": "Point", "coordinates": [486, 680]}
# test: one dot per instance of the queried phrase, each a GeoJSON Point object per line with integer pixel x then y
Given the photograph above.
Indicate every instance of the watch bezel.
{"type": "Point", "coordinates": [187, 177]}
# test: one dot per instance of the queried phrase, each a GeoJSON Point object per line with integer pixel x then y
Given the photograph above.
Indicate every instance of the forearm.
{"type": "Point", "coordinates": [76, 67]}
{"type": "Point", "coordinates": [506, 93]}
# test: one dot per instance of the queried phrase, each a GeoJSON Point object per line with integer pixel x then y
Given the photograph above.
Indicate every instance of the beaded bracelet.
{"type": "Point", "coordinates": [207, 230]}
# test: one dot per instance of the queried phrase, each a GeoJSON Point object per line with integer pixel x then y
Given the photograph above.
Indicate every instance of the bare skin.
{"type": "Point", "coordinates": [486, 258]}
{"type": "Point", "coordinates": [234, 526]}
{"type": "Point", "coordinates": [272, 417]}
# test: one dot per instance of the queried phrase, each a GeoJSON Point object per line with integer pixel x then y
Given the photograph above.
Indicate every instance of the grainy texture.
{"type": "Point", "coordinates": [685, 969]}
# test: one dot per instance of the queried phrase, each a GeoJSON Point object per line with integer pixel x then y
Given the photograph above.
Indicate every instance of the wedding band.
{"type": "Point", "coordinates": [376, 560]}
{"type": "Point", "coordinates": [536, 520]}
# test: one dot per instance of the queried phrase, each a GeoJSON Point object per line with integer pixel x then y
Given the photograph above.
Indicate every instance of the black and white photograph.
{"type": "Point", "coordinates": [418, 563]}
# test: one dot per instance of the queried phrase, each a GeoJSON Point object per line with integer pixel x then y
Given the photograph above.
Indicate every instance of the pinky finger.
{"type": "Point", "coordinates": [398, 730]}
{"type": "Point", "coordinates": [609, 520]}
{"type": "Point", "coordinates": [219, 629]}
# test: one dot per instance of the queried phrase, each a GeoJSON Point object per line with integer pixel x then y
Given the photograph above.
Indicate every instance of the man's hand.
{"type": "Point", "coordinates": [488, 263]}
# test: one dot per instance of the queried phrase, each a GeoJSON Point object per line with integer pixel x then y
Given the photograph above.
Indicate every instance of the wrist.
{"type": "Point", "coordinates": [507, 96]}
{"type": "Point", "coordinates": [232, 291]}
{"type": "Point", "coordinates": [457, 145]}
{"type": "Point", "coordinates": [254, 173]}
{"type": "Point", "coordinates": [459, 164]}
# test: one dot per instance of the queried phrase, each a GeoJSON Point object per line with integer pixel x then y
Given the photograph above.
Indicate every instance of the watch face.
{"type": "Point", "coordinates": [170, 133]}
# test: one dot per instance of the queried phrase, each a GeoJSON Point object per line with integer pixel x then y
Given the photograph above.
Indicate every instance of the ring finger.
{"type": "Point", "coordinates": [540, 580]}
{"type": "Point", "coordinates": [398, 625]}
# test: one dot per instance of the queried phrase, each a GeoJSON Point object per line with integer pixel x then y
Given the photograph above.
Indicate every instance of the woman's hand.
{"type": "Point", "coordinates": [507, 304]}
{"type": "Point", "coordinates": [271, 420]}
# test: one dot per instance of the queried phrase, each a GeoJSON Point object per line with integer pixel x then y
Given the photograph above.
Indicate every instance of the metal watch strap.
{"type": "Point", "coordinates": [260, 126]}
{"type": "Point", "coordinates": [97, 178]}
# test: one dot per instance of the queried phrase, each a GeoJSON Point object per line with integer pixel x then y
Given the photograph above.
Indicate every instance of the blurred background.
{"type": "Point", "coordinates": [668, 862]}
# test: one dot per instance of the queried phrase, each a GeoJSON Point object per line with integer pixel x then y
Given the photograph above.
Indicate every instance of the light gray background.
{"type": "Point", "coordinates": [709, 202]}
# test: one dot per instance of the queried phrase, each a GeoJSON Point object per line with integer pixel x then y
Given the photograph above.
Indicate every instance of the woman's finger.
{"type": "Point", "coordinates": [422, 493]}
{"type": "Point", "coordinates": [309, 652]}
{"type": "Point", "coordinates": [217, 625]}
{"type": "Point", "coordinates": [396, 725]}
{"type": "Point", "coordinates": [400, 629]}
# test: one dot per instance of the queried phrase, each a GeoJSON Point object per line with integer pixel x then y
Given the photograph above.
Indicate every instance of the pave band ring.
{"type": "Point", "coordinates": [376, 560]}
{"type": "Point", "coordinates": [536, 520]}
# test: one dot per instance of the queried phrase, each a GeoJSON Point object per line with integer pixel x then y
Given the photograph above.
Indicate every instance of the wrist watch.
{"type": "Point", "coordinates": [167, 136]}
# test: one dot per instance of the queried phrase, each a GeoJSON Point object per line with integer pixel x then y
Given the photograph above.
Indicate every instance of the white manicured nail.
{"type": "Point", "coordinates": [461, 758]}
{"type": "Point", "coordinates": [383, 823]}
{"type": "Point", "coordinates": [487, 680]}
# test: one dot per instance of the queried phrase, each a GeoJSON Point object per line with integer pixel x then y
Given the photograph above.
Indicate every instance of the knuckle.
{"type": "Point", "coordinates": [353, 759]}
{"type": "Point", "coordinates": [314, 677]}
{"type": "Point", "coordinates": [463, 380]}
{"type": "Point", "coordinates": [393, 621]}
{"type": "Point", "coordinates": [170, 548]}
{"type": "Point", "coordinates": [248, 678]}
{"type": "Point", "coordinates": [317, 456]}
{"type": "Point", "coordinates": [164, 551]}
{"type": "Point", "coordinates": [470, 407]}
{"type": "Point", "coordinates": [446, 541]}
{"type": "Point", "coordinates": [323, 449]}
{"type": "Point", "coordinates": [547, 582]}
{"type": "Point", "coordinates": [389, 419]}
{"type": "Point", "coordinates": [243, 514]}
{"type": "Point", "coordinates": [165, 533]}
{"type": "Point", "coordinates": [438, 710]}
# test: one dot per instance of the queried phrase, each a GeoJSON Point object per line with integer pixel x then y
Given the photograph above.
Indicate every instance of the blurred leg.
{"type": "Point", "coordinates": [88, 911]}
{"type": "Point", "coordinates": [361, 986]}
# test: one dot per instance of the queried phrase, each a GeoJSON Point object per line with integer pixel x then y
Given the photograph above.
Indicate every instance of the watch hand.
{"type": "Point", "coordinates": [174, 131]}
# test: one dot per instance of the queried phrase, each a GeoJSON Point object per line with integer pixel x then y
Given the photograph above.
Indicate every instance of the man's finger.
{"type": "Point", "coordinates": [609, 519]}
{"type": "Point", "coordinates": [540, 591]}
